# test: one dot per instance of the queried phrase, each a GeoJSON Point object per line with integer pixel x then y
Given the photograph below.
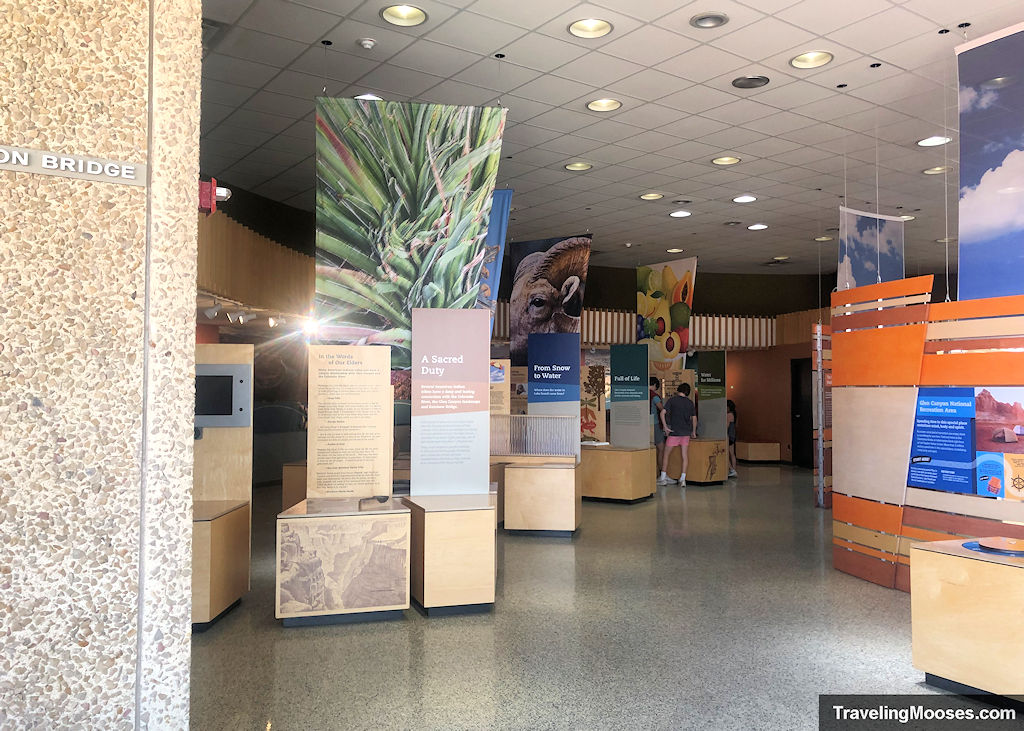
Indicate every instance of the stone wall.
{"type": "Point", "coordinates": [97, 333]}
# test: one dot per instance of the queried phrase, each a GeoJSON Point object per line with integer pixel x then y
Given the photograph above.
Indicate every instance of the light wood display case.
{"type": "Point", "coordinates": [453, 552]}
{"type": "Point", "coordinates": [343, 559]}
{"type": "Point", "coordinates": [220, 557]}
{"type": "Point", "coordinates": [222, 495]}
{"type": "Point", "coordinates": [618, 473]}
{"type": "Point", "coordinates": [758, 451]}
{"type": "Point", "coordinates": [965, 616]}
{"type": "Point", "coordinates": [543, 498]}
{"type": "Point", "coordinates": [709, 462]}
{"type": "Point", "coordinates": [497, 479]}
{"type": "Point", "coordinates": [293, 484]}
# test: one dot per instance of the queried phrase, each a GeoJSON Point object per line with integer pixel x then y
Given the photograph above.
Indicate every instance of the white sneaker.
{"type": "Point", "coordinates": [733, 473]}
{"type": "Point", "coordinates": [682, 480]}
{"type": "Point", "coordinates": [665, 479]}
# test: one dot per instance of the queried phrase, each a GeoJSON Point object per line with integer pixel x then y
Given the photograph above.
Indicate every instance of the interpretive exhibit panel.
{"type": "Point", "coordinates": [965, 609]}
{"type": "Point", "coordinates": [593, 414]}
{"type": "Point", "coordinates": [543, 498]}
{"type": "Point", "coordinates": [453, 550]}
{"type": "Point", "coordinates": [351, 421]}
{"type": "Point", "coordinates": [553, 385]}
{"type": "Point", "coordinates": [450, 402]}
{"type": "Point", "coordinates": [630, 407]}
{"type": "Point", "coordinates": [617, 473]}
{"type": "Point", "coordinates": [501, 386]}
{"type": "Point", "coordinates": [342, 556]}
{"type": "Point", "coordinates": [711, 390]}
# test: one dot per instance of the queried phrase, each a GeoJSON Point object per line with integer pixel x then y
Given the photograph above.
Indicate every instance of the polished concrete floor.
{"type": "Point", "coordinates": [713, 607]}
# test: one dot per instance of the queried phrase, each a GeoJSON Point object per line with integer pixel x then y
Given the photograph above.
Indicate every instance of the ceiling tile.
{"type": "Point", "coordinates": [333, 65]}
{"type": "Point", "coordinates": [701, 63]}
{"type": "Point", "coordinates": [520, 110]}
{"type": "Point", "coordinates": [279, 104]}
{"type": "Point", "coordinates": [739, 111]}
{"type": "Point", "coordinates": [224, 11]}
{"type": "Point", "coordinates": [211, 114]}
{"type": "Point", "coordinates": [434, 58]}
{"type": "Point", "coordinates": [237, 70]}
{"type": "Point", "coordinates": [300, 86]}
{"type": "Point", "coordinates": [224, 93]}
{"type": "Point", "coordinates": [649, 141]}
{"type": "Point", "coordinates": [883, 30]}
{"type": "Point", "coordinates": [612, 154]}
{"type": "Point", "coordinates": [762, 39]}
{"type": "Point", "coordinates": [259, 121]}
{"type": "Point", "coordinates": [570, 146]}
{"type": "Point", "coordinates": [525, 134]}
{"type": "Point", "coordinates": [455, 92]}
{"type": "Point", "coordinates": [739, 16]}
{"type": "Point", "coordinates": [692, 127]}
{"type": "Point", "coordinates": [563, 120]}
{"type": "Point", "coordinates": [692, 151]}
{"type": "Point", "coordinates": [650, 84]}
{"type": "Point", "coordinates": [648, 45]}
{"type": "Point", "coordinates": [647, 10]}
{"type": "Point", "coordinates": [369, 14]}
{"type": "Point", "coordinates": [558, 26]}
{"type": "Point", "coordinates": [259, 47]}
{"type": "Point", "coordinates": [779, 122]}
{"type": "Point", "coordinates": [346, 38]}
{"type": "Point", "coordinates": [288, 20]}
{"type": "Point", "coordinates": [401, 81]}
{"type": "Point", "coordinates": [793, 95]}
{"type": "Point", "coordinates": [597, 69]}
{"type": "Point", "coordinates": [236, 135]}
{"type": "Point", "coordinates": [496, 75]}
{"type": "Point", "coordinates": [552, 90]}
{"type": "Point", "coordinates": [608, 130]}
{"type": "Point", "coordinates": [697, 99]}
{"type": "Point", "coordinates": [337, 7]}
{"type": "Point", "coordinates": [476, 33]}
{"type": "Point", "coordinates": [649, 116]}
{"type": "Point", "coordinates": [525, 13]}
{"type": "Point", "coordinates": [540, 52]}
{"type": "Point", "coordinates": [820, 17]}
{"type": "Point", "coordinates": [833, 108]}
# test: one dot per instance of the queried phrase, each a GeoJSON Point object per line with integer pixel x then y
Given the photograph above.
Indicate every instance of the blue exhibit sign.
{"type": "Point", "coordinates": [942, 451]}
{"type": "Point", "coordinates": [629, 373]}
{"type": "Point", "coordinates": [553, 368]}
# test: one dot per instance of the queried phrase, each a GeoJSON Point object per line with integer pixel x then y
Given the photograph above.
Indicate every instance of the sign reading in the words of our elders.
{"type": "Point", "coordinates": [43, 162]}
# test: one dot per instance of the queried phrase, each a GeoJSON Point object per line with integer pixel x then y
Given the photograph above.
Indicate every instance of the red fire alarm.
{"type": "Point", "coordinates": [208, 196]}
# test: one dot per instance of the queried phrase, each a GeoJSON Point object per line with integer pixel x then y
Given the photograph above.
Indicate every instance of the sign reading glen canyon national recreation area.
{"type": "Point", "coordinates": [81, 167]}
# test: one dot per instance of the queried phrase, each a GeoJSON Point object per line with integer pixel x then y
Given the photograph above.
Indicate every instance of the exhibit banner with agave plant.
{"type": "Point", "coordinates": [403, 203]}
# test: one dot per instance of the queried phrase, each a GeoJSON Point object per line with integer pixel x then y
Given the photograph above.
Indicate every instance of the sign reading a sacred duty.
{"type": "Point", "coordinates": [43, 162]}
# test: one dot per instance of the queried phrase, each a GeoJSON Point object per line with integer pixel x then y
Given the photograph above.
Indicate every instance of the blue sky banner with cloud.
{"type": "Point", "coordinates": [870, 248]}
{"type": "Point", "coordinates": [991, 100]}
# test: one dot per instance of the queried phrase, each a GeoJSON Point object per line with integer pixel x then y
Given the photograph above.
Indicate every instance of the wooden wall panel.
{"type": "Point", "coordinates": [960, 525]}
{"type": "Point", "coordinates": [976, 369]}
{"type": "Point", "coordinates": [865, 537]}
{"type": "Point", "coordinates": [966, 309]}
{"type": "Point", "coordinates": [895, 288]}
{"type": "Point", "coordinates": [889, 356]}
{"type": "Point", "coordinates": [974, 506]}
{"type": "Point", "coordinates": [874, 318]}
{"type": "Point", "coordinates": [795, 327]}
{"type": "Point", "coordinates": [992, 327]}
{"type": "Point", "coordinates": [872, 429]}
{"type": "Point", "coordinates": [864, 567]}
{"type": "Point", "coordinates": [903, 577]}
{"type": "Point", "coordinates": [867, 513]}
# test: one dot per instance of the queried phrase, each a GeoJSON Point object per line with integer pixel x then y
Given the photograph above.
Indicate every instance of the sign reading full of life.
{"type": "Point", "coordinates": [438, 370]}
{"type": "Point", "coordinates": [43, 162]}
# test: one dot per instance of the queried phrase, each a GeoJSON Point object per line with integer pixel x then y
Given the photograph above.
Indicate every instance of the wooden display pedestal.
{"type": "Point", "coordinates": [293, 484]}
{"type": "Point", "coordinates": [758, 451]}
{"type": "Point", "coordinates": [220, 558]}
{"type": "Point", "coordinates": [342, 557]}
{"type": "Point", "coordinates": [963, 609]}
{"type": "Point", "coordinates": [543, 498]}
{"type": "Point", "coordinates": [453, 552]}
{"type": "Point", "coordinates": [709, 462]}
{"type": "Point", "coordinates": [618, 473]}
{"type": "Point", "coordinates": [498, 492]}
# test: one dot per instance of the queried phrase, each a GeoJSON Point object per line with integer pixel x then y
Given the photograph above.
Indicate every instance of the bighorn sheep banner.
{"type": "Point", "coordinates": [549, 278]}
{"type": "Point", "coordinates": [403, 204]}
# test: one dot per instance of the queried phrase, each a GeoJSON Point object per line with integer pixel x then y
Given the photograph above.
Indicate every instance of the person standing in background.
{"type": "Point", "coordinates": [654, 396]}
{"type": "Point", "coordinates": [730, 419]}
{"type": "Point", "coordinates": [679, 420]}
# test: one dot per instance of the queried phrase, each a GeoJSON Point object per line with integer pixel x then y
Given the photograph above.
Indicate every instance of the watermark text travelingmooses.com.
{"type": "Point", "coordinates": [917, 712]}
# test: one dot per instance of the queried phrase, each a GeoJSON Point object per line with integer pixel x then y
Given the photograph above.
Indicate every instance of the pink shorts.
{"type": "Point", "coordinates": [677, 441]}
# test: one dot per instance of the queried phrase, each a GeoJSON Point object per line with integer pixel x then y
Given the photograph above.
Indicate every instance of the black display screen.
{"type": "Point", "coordinates": [213, 395]}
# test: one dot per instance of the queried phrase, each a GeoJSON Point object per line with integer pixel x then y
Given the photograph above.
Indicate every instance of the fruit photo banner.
{"type": "Point", "coordinates": [664, 298]}
{"type": "Point", "coordinates": [403, 203]}
{"type": "Point", "coordinates": [991, 165]}
{"type": "Point", "coordinates": [549, 279]}
{"type": "Point", "coordinates": [870, 248]}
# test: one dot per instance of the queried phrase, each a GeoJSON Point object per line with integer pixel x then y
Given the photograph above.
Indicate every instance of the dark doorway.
{"type": "Point", "coordinates": [802, 414]}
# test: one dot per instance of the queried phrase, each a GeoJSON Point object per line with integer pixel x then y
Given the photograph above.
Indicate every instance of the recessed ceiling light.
{"type": "Point", "coordinates": [947, 240]}
{"type": "Point", "coordinates": [674, 251]}
{"type": "Point", "coordinates": [604, 105]}
{"type": "Point", "coordinates": [369, 98]}
{"type": "Point", "coordinates": [744, 199]}
{"type": "Point", "coordinates": [821, 239]}
{"type": "Point", "coordinates": [709, 20]}
{"type": "Point", "coordinates": [726, 160]}
{"type": "Point", "coordinates": [577, 167]}
{"type": "Point", "coordinates": [733, 223]}
{"type": "Point", "coordinates": [810, 60]}
{"type": "Point", "coordinates": [651, 196]}
{"type": "Point", "coordinates": [780, 258]}
{"type": "Point", "coordinates": [750, 82]}
{"type": "Point", "coordinates": [403, 15]}
{"type": "Point", "coordinates": [997, 83]}
{"type": "Point", "coordinates": [934, 141]}
{"type": "Point", "coordinates": [679, 214]}
{"type": "Point", "coordinates": [907, 217]}
{"type": "Point", "coordinates": [937, 170]}
{"type": "Point", "coordinates": [757, 226]}
{"type": "Point", "coordinates": [590, 28]}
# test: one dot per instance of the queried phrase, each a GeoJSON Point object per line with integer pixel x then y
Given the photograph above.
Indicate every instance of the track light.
{"type": "Point", "coordinates": [211, 312]}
